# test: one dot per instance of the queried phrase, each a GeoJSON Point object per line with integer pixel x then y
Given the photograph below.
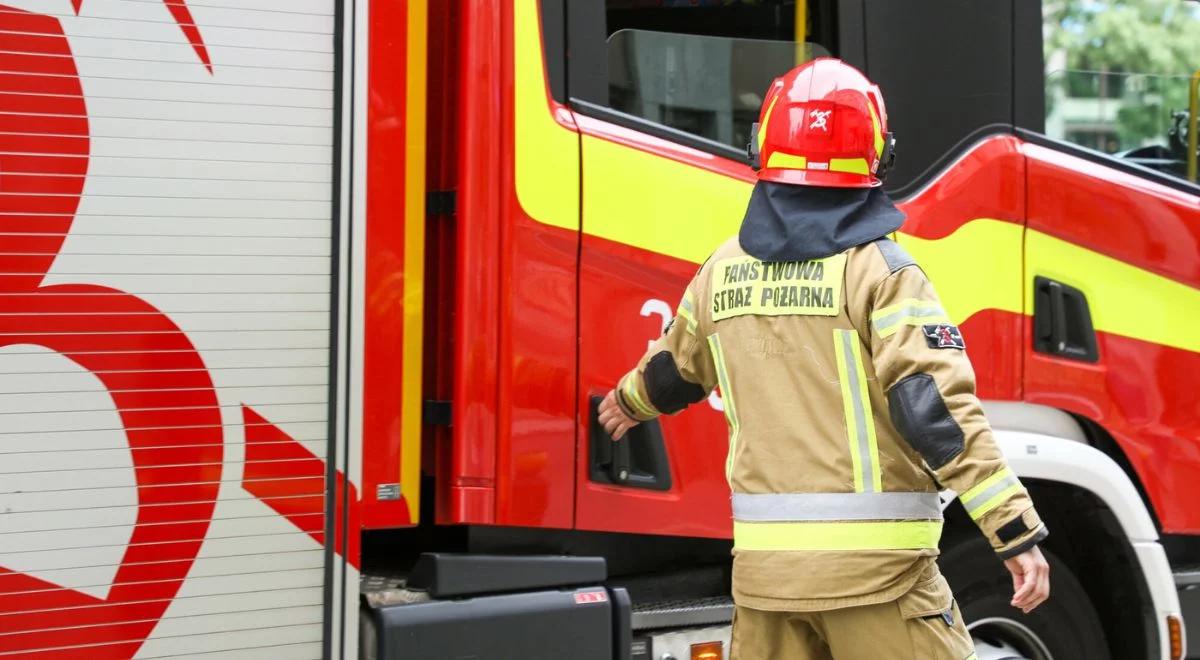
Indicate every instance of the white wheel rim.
{"type": "Point", "coordinates": [1001, 638]}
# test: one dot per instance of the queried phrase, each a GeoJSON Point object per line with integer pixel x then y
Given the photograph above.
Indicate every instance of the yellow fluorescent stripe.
{"type": "Point", "coordinates": [974, 491]}
{"type": "Point", "coordinates": [849, 165]}
{"type": "Point", "coordinates": [977, 267]}
{"type": "Point", "coordinates": [623, 191]}
{"type": "Point", "coordinates": [780, 159]}
{"type": "Point", "coordinates": [909, 311]}
{"type": "Point", "coordinates": [848, 409]}
{"type": "Point", "coordinates": [714, 343]}
{"type": "Point", "coordinates": [868, 417]}
{"type": "Point", "coordinates": [762, 129]}
{"type": "Point", "coordinates": [656, 203]}
{"type": "Point", "coordinates": [547, 153]}
{"type": "Point", "coordinates": [1123, 299]}
{"type": "Point", "coordinates": [899, 535]}
{"type": "Point", "coordinates": [631, 395]}
{"type": "Point", "coordinates": [414, 259]}
{"type": "Point", "coordinates": [891, 328]}
{"type": "Point", "coordinates": [996, 500]}
{"type": "Point", "coordinates": [683, 313]}
{"type": "Point", "coordinates": [904, 305]}
{"type": "Point", "coordinates": [875, 124]}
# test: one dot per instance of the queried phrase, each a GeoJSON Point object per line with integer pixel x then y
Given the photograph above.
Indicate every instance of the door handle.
{"type": "Point", "coordinates": [1063, 321]}
{"type": "Point", "coordinates": [638, 460]}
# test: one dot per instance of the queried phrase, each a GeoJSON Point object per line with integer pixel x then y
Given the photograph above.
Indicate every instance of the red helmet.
{"type": "Point", "coordinates": [823, 124]}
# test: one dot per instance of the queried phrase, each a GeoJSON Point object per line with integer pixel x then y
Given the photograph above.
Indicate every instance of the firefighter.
{"type": "Point", "coordinates": [848, 393]}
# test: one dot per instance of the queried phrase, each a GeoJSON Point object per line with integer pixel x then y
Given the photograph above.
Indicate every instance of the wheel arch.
{"type": "Point", "coordinates": [1087, 497]}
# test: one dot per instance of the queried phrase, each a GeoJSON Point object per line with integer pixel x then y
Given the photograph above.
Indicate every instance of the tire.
{"type": "Point", "coordinates": [1066, 624]}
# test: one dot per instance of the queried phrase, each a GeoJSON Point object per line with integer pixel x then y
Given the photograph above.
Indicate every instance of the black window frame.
{"type": "Point", "coordinates": [577, 59]}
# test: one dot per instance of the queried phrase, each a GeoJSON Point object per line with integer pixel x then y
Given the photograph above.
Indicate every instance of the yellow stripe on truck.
{"type": "Point", "coordinates": [1123, 299]}
{"type": "Point", "coordinates": [547, 153]}
{"type": "Point", "coordinates": [624, 200]}
{"type": "Point", "coordinates": [414, 259]}
{"type": "Point", "coordinates": [975, 268]}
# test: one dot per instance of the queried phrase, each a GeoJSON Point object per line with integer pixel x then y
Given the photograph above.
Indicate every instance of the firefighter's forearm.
{"type": "Point", "coordinates": [993, 496]}
{"type": "Point", "coordinates": [632, 398]}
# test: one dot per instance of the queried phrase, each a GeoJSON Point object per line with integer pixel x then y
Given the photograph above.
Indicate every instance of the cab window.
{"type": "Point", "coordinates": [692, 68]}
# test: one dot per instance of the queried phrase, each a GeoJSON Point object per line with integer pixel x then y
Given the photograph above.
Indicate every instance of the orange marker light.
{"type": "Point", "coordinates": [1174, 631]}
{"type": "Point", "coordinates": [708, 651]}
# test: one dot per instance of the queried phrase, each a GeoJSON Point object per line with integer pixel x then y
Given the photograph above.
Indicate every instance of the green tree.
{"type": "Point", "coordinates": [1109, 44]}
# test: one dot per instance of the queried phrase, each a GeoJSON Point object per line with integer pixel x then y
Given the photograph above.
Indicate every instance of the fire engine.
{"type": "Point", "coordinates": [307, 307]}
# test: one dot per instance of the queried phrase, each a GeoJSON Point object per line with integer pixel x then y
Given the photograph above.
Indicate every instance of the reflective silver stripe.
{"type": "Point", "coordinates": [977, 499]}
{"type": "Point", "coordinates": [801, 507]}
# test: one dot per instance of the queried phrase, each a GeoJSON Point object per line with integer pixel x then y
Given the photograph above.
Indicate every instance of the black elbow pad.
{"type": "Point", "coordinates": [921, 417]}
{"type": "Point", "coordinates": [668, 390]}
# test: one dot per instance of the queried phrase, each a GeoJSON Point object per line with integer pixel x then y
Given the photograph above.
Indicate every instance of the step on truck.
{"type": "Point", "coordinates": [307, 307]}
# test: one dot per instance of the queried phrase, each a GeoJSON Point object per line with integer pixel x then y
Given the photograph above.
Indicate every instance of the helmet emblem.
{"type": "Point", "coordinates": [820, 120]}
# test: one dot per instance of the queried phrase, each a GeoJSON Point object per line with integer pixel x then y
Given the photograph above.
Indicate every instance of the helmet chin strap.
{"type": "Point", "coordinates": [888, 158]}
{"type": "Point", "coordinates": [752, 148]}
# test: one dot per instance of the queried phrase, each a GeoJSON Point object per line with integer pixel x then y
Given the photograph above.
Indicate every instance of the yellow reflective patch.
{"type": "Point", "coordinates": [977, 489]}
{"type": "Point", "coordinates": [910, 311]}
{"type": "Point", "coordinates": [786, 161]}
{"type": "Point", "coordinates": [878, 131]}
{"type": "Point", "coordinates": [994, 501]}
{"type": "Point", "coordinates": [856, 407]}
{"type": "Point", "coordinates": [849, 165]}
{"type": "Point", "coordinates": [635, 399]}
{"type": "Point", "coordinates": [745, 285]}
{"type": "Point", "coordinates": [762, 130]}
{"type": "Point", "coordinates": [871, 535]}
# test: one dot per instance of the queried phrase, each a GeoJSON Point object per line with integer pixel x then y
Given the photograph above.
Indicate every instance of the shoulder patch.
{"type": "Point", "coordinates": [893, 255]}
{"type": "Point", "coordinates": [943, 335]}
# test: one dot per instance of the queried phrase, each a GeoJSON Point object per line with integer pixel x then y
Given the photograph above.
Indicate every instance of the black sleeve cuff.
{"type": "Point", "coordinates": [1036, 538]}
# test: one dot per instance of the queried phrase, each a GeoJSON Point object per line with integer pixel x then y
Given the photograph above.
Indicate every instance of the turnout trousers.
{"type": "Point", "coordinates": [923, 624]}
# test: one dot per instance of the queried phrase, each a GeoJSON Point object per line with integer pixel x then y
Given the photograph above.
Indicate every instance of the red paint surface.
{"type": "Point", "coordinates": [440, 240]}
{"type": "Point", "coordinates": [466, 489]}
{"type": "Point", "coordinates": [1137, 221]}
{"type": "Point", "coordinates": [1144, 394]}
{"type": "Point", "coordinates": [286, 476]}
{"type": "Point", "coordinates": [183, 16]}
{"type": "Point", "coordinates": [165, 400]}
{"type": "Point", "coordinates": [383, 330]}
{"type": "Point", "coordinates": [988, 181]}
{"type": "Point", "coordinates": [535, 453]}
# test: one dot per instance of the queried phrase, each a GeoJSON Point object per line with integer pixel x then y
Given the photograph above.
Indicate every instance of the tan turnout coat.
{"type": "Point", "coordinates": [851, 403]}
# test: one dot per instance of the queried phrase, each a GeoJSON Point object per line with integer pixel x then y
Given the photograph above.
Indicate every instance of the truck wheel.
{"type": "Point", "coordinates": [1064, 627]}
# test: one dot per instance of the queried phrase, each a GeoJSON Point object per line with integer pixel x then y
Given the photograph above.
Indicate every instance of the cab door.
{"type": "Point", "coordinates": [664, 99]}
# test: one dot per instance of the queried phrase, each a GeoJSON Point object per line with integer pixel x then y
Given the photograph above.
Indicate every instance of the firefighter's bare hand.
{"type": "Point", "coordinates": [1031, 579]}
{"type": "Point", "coordinates": [614, 420]}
